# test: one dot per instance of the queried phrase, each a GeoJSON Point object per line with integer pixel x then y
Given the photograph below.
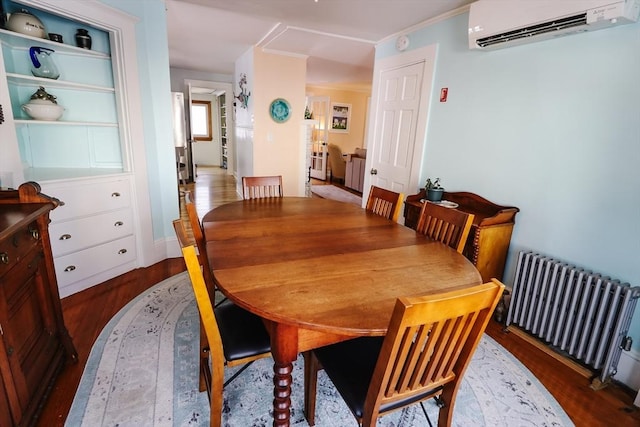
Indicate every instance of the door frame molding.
{"type": "Point", "coordinates": [427, 55]}
{"type": "Point", "coordinates": [231, 119]}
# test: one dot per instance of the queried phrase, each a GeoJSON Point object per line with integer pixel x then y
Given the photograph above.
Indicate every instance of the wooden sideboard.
{"type": "Point", "coordinates": [35, 343]}
{"type": "Point", "coordinates": [490, 234]}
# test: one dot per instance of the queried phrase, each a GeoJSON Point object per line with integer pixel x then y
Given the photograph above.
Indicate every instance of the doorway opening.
{"type": "Point", "coordinates": [214, 148]}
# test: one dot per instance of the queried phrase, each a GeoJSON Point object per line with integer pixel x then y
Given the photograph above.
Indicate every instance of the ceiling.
{"type": "Point", "coordinates": [337, 36]}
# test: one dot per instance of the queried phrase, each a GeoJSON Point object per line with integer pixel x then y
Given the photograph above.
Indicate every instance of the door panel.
{"type": "Point", "coordinates": [397, 128]}
{"type": "Point", "coordinates": [319, 108]}
{"type": "Point", "coordinates": [400, 105]}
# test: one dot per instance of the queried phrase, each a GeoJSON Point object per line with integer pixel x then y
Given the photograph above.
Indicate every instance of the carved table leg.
{"type": "Point", "coordinates": [284, 348]}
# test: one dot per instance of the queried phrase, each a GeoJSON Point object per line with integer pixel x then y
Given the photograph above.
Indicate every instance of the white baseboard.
{"type": "Point", "coordinates": [172, 248]}
{"type": "Point", "coordinates": [629, 371]}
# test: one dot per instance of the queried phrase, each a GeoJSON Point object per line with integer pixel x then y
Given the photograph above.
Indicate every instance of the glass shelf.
{"type": "Point", "coordinates": [61, 123]}
{"type": "Point", "coordinates": [22, 80]}
{"type": "Point", "coordinates": [23, 41]}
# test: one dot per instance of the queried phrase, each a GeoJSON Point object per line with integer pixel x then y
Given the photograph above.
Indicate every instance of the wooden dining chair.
{"type": "Point", "coordinates": [428, 346]}
{"type": "Point", "coordinates": [258, 187]}
{"type": "Point", "coordinates": [235, 336]}
{"type": "Point", "coordinates": [198, 236]}
{"type": "Point", "coordinates": [446, 225]}
{"type": "Point", "coordinates": [385, 203]}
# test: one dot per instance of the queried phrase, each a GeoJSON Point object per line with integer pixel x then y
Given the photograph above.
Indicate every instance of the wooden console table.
{"type": "Point", "coordinates": [490, 234]}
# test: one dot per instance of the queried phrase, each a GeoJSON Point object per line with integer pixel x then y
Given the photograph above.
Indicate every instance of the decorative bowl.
{"type": "Point", "coordinates": [43, 110]}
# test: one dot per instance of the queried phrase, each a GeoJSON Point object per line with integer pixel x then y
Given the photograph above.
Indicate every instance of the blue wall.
{"type": "Point", "coordinates": [153, 66]}
{"type": "Point", "coordinates": [551, 127]}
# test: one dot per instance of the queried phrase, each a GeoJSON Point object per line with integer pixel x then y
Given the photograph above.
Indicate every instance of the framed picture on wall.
{"type": "Point", "coordinates": [340, 117]}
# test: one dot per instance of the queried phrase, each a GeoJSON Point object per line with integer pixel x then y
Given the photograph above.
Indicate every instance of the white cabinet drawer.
{"type": "Point", "coordinates": [80, 265]}
{"type": "Point", "coordinates": [83, 199]}
{"type": "Point", "coordinates": [71, 236]}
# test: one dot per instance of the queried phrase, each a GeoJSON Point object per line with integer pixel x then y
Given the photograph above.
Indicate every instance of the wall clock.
{"type": "Point", "coordinates": [280, 110]}
{"type": "Point", "coordinates": [402, 43]}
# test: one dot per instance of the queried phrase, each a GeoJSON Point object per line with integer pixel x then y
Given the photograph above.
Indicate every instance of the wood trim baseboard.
{"type": "Point", "coordinates": [548, 350]}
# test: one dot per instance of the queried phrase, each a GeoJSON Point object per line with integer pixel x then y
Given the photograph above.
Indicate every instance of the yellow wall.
{"type": "Point", "coordinates": [348, 142]}
{"type": "Point", "coordinates": [276, 146]}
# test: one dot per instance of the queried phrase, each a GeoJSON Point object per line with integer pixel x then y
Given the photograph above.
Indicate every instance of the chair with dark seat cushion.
{"type": "Point", "coordinates": [385, 203]}
{"type": "Point", "coordinates": [428, 346]}
{"type": "Point", "coordinates": [446, 225]}
{"type": "Point", "coordinates": [235, 336]}
{"type": "Point", "coordinates": [258, 187]}
{"type": "Point", "coordinates": [198, 235]}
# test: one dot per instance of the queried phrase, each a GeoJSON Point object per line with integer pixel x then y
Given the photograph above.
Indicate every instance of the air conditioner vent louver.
{"type": "Point", "coordinates": [534, 30]}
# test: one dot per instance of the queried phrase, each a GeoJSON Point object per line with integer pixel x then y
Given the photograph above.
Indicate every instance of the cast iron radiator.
{"type": "Point", "coordinates": [579, 314]}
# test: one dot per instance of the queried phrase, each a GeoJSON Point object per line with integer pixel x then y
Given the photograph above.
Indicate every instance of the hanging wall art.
{"type": "Point", "coordinates": [243, 96]}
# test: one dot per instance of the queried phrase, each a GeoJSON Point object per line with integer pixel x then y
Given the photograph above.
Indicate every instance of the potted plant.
{"type": "Point", "coordinates": [434, 190]}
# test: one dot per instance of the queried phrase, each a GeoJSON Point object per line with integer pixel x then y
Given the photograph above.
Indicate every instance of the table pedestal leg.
{"type": "Point", "coordinates": [284, 348]}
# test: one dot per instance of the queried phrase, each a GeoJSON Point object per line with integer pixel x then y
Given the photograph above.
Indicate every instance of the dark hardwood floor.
{"type": "Point", "coordinates": [87, 312]}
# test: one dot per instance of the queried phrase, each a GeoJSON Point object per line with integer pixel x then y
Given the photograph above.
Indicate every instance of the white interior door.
{"type": "Point", "coordinates": [319, 108]}
{"type": "Point", "coordinates": [401, 91]}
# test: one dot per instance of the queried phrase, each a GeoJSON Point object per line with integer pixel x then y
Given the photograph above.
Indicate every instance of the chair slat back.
{"type": "Point", "coordinates": [430, 342]}
{"type": "Point", "coordinates": [385, 203]}
{"type": "Point", "coordinates": [198, 235]}
{"type": "Point", "coordinates": [205, 308]}
{"type": "Point", "coordinates": [446, 225]}
{"type": "Point", "coordinates": [258, 187]}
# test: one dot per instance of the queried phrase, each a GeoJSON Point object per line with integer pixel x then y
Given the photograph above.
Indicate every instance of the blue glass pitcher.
{"type": "Point", "coordinates": [42, 64]}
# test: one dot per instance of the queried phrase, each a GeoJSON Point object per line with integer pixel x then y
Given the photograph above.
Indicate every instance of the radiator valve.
{"type": "Point", "coordinates": [626, 343]}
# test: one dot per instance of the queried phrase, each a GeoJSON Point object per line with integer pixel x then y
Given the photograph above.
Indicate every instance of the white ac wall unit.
{"type": "Point", "coordinates": [495, 24]}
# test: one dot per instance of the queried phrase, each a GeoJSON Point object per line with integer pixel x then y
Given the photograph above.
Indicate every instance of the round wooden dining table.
{"type": "Point", "coordinates": [320, 271]}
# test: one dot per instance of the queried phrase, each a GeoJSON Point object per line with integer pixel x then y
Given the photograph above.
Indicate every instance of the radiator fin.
{"type": "Point", "coordinates": [578, 312]}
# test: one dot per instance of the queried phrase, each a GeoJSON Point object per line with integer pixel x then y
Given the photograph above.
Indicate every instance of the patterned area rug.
{"type": "Point", "coordinates": [143, 370]}
{"type": "Point", "coordinates": [335, 193]}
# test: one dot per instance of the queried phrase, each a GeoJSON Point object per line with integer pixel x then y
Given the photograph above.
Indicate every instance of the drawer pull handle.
{"type": "Point", "coordinates": [65, 237]}
{"type": "Point", "coordinates": [115, 194]}
{"type": "Point", "coordinates": [34, 233]}
{"type": "Point", "coordinates": [4, 258]}
{"type": "Point", "coordinates": [122, 251]}
{"type": "Point", "coordinates": [118, 224]}
{"type": "Point", "coordinates": [70, 268]}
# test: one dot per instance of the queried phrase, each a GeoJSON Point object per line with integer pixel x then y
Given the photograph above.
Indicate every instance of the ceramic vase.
{"type": "Point", "coordinates": [83, 39]}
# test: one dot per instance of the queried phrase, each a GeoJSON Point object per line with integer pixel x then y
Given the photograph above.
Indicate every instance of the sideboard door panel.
{"type": "Point", "coordinates": [31, 341]}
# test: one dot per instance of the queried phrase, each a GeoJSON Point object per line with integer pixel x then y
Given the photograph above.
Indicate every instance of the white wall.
{"type": "Point", "coordinates": [244, 131]}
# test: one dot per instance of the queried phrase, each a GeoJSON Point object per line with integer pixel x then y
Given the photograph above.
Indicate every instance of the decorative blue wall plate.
{"type": "Point", "coordinates": [280, 110]}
